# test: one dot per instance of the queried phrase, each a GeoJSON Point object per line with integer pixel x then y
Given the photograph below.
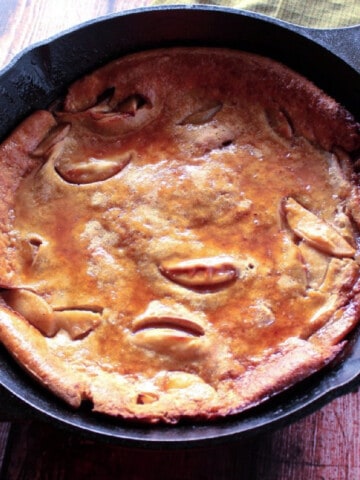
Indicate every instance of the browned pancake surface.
{"type": "Point", "coordinates": [180, 237]}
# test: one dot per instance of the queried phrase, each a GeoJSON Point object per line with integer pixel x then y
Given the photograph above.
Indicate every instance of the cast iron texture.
{"type": "Point", "coordinates": [330, 58]}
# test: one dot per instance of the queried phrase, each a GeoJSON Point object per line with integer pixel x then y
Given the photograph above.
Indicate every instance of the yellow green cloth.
{"type": "Point", "coordinates": [310, 13]}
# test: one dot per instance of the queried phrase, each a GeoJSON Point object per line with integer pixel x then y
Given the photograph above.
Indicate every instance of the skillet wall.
{"type": "Point", "coordinates": [39, 76]}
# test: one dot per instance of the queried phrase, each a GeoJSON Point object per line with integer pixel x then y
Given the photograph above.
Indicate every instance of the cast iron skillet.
{"type": "Point", "coordinates": [330, 58]}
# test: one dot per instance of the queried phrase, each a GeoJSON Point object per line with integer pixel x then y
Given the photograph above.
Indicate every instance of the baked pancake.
{"type": "Point", "coordinates": [179, 235]}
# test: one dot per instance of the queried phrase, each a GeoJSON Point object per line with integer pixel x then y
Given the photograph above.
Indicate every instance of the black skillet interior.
{"type": "Point", "coordinates": [38, 76]}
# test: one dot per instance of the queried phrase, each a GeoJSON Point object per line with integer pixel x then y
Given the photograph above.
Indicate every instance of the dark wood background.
{"type": "Point", "coordinates": [322, 446]}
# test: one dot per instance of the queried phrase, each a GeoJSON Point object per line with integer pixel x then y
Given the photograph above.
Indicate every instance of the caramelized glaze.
{"type": "Point", "coordinates": [174, 223]}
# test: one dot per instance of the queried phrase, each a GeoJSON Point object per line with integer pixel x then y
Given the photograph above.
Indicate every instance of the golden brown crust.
{"type": "Point", "coordinates": [31, 351]}
{"type": "Point", "coordinates": [321, 119]}
{"type": "Point", "coordinates": [15, 163]}
{"type": "Point", "coordinates": [294, 360]}
{"type": "Point", "coordinates": [180, 197]}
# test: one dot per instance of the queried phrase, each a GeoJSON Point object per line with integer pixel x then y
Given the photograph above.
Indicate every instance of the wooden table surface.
{"type": "Point", "coordinates": [322, 446]}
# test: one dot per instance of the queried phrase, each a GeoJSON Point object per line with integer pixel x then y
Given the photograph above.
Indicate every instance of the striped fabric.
{"type": "Point", "coordinates": [310, 13]}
